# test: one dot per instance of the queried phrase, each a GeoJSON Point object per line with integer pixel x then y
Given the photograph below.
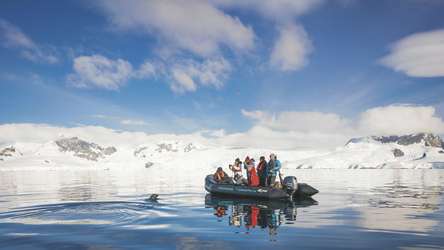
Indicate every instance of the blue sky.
{"type": "Point", "coordinates": [288, 69]}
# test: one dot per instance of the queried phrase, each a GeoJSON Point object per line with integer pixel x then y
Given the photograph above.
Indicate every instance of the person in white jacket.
{"type": "Point", "coordinates": [236, 167]}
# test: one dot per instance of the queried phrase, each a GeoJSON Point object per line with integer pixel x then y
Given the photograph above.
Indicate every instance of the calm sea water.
{"type": "Point", "coordinates": [355, 209]}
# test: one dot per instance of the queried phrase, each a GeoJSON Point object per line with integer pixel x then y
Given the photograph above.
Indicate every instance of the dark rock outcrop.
{"type": "Point", "coordinates": [167, 147]}
{"type": "Point", "coordinates": [430, 140]}
{"type": "Point", "coordinates": [164, 148]}
{"type": "Point", "coordinates": [83, 149]}
{"type": "Point", "coordinates": [398, 153]}
{"type": "Point", "coordinates": [8, 152]}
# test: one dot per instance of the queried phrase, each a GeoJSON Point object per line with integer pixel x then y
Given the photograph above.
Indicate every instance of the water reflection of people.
{"type": "Point", "coordinates": [235, 218]}
{"type": "Point", "coordinates": [250, 216]}
{"type": "Point", "coordinates": [256, 213]}
{"type": "Point", "coordinates": [220, 210]}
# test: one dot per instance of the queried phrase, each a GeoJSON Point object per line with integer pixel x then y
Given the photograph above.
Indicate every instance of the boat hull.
{"type": "Point", "coordinates": [304, 190]}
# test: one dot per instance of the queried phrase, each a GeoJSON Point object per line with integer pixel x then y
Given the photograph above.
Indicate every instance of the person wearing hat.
{"type": "Point", "coordinates": [272, 168]}
{"type": "Point", "coordinates": [262, 171]}
{"type": "Point", "coordinates": [221, 177]}
{"type": "Point", "coordinates": [236, 168]}
{"type": "Point", "coordinates": [248, 163]}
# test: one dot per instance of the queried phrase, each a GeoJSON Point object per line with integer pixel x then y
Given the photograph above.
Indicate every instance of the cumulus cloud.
{"type": "Point", "coordinates": [298, 121]}
{"type": "Point", "coordinates": [305, 129]}
{"type": "Point", "coordinates": [147, 69]}
{"type": "Point", "coordinates": [293, 45]}
{"type": "Point", "coordinates": [418, 55]}
{"type": "Point", "coordinates": [43, 133]}
{"type": "Point", "coordinates": [182, 81]}
{"type": "Point", "coordinates": [11, 134]}
{"type": "Point", "coordinates": [291, 49]}
{"type": "Point", "coordinates": [398, 120]}
{"type": "Point", "coordinates": [289, 130]}
{"type": "Point", "coordinates": [195, 25]}
{"type": "Point", "coordinates": [14, 38]}
{"type": "Point", "coordinates": [182, 75]}
{"type": "Point", "coordinates": [211, 72]}
{"type": "Point", "coordinates": [101, 72]}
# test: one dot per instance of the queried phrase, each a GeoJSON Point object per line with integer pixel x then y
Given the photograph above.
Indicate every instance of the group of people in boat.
{"type": "Point", "coordinates": [264, 175]}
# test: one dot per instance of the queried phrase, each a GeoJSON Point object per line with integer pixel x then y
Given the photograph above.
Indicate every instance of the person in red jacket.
{"type": "Point", "coordinates": [253, 179]}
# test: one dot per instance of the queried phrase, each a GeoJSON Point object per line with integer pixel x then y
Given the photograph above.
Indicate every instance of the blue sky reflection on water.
{"type": "Point", "coordinates": [392, 209]}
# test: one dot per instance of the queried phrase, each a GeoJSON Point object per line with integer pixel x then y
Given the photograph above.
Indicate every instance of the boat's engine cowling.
{"type": "Point", "coordinates": [291, 185]}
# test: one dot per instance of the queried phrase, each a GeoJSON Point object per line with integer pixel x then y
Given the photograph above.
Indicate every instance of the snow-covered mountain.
{"type": "Point", "coordinates": [412, 151]}
{"type": "Point", "coordinates": [409, 151]}
{"type": "Point", "coordinates": [83, 149]}
{"type": "Point", "coordinates": [166, 148]}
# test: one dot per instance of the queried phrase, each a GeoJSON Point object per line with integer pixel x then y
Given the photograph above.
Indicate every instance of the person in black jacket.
{"type": "Point", "coordinates": [262, 171]}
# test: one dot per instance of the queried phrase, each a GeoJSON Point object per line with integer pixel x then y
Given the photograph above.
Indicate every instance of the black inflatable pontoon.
{"type": "Point", "coordinates": [290, 189]}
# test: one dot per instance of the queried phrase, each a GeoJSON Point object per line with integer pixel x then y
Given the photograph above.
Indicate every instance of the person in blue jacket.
{"type": "Point", "coordinates": [272, 168]}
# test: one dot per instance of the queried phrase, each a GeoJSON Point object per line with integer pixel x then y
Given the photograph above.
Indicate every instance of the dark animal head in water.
{"type": "Point", "coordinates": [153, 197]}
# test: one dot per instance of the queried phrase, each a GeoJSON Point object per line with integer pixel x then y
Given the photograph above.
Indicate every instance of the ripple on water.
{"type": "Point", "coordinates": [83, 212]}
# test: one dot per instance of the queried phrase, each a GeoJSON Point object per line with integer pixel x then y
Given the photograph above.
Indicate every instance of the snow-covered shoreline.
{"type": "Point", "coordinates": [68, 154]}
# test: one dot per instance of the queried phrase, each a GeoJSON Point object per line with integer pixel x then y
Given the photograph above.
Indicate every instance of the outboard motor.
{"type": "Point", "coordinates": [290, 184]}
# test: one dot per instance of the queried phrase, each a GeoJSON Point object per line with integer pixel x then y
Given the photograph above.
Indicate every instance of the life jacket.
{"type": "Point", "coordinates": [261, 166]}
{"type": "Point", "coordinates": [218, 176]}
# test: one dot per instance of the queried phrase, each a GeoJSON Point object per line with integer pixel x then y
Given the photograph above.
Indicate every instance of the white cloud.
{"type": "Point", "coordinates": [126, 122]}
{"type": "Point", "coordinates": [14, 38]}
{"type": "Point", "coordinates": [101, 72]}
{"type": "Point", "coordinates": [298, 121]}
{"type": "Point", "coordinates": [182, 75]}
{"type": "Point", "coordinates": [306, 129]}
{"type": "Point", "coordinates": [43, 133]}
{"type": "Point", "coordinates": [193, 25]}
{"type": "Point", "coordinates": [134, 122]}
{"type": "Point", "coordinates": [418, 55]}
{"type": "Point", "coordinates": [211, 72]}
{"type": "Point", "coordinates": [146, 70]}
{"type": "Point", "coordinates": [398, 120]}
{"type": "Point", "coordinates": [283, 131]}
{"type": "Point", "coordinates": [103, 117]}
{"type": "Point", "coordinates": [291, 49]}
{"type": "Point", "coordinates": [214, 71]}
{"type": "Point", "coordinates": [292, 46]}
{"type": "Point", "coordinates": [182, 81]}
{"type": "Point", "coordinates": [283, 11]}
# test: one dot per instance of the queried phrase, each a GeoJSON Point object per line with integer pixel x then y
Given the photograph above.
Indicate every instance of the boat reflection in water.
{"type": "Point", "coordinates": [252, 213]}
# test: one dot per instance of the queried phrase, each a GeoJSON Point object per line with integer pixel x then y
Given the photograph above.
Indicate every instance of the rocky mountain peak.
{"type": "Point", "coordinates": [7, 152]}
{"type": "Point", "coordinates": [164, 148]}
{"type": "Point", "coordinates": [83, 149]}
{"type": "Point", "coordinates": [428, 139]}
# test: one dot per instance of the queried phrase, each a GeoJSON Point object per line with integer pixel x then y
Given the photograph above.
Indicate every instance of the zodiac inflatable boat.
{"type": "Point", "coordinates": [290, 189]}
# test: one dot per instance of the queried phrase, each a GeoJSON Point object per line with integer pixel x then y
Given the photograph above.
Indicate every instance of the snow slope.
{"type": "Point", "coordinates": [161, 154]}
{"type": "Point", "coordinates": [369, 153]}
{"type": "Point", "coordinates": [363, 152]}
